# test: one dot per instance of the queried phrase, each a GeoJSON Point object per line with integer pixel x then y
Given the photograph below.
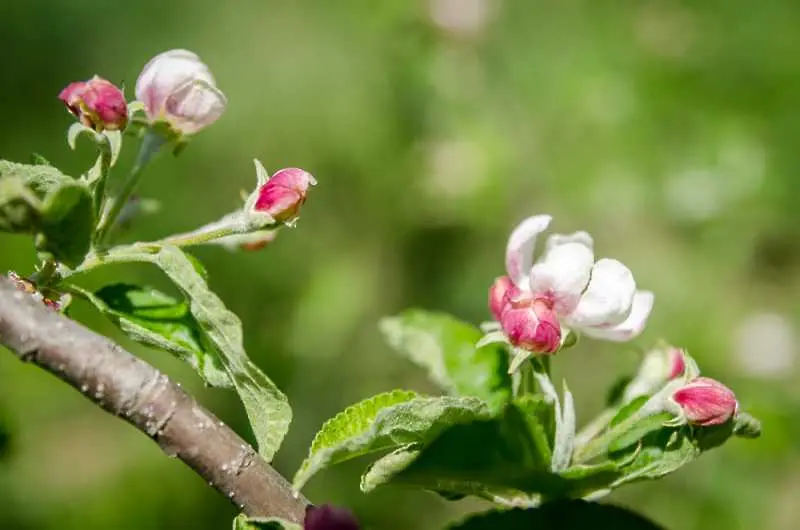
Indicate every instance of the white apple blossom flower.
{"type": "Point", "coordinates": [178, 88]}
{"type": "Point", "coordinates": [598, 298]}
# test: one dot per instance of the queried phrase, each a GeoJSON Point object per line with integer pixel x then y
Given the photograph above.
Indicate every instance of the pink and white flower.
{"type": "Point", "coordinates": [178, 88]}
{"type": "Point", "coordinates": [565, 287]}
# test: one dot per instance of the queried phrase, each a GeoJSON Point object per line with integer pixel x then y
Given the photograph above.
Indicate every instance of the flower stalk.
{"type": "Point", "coordinates": [151, 144]}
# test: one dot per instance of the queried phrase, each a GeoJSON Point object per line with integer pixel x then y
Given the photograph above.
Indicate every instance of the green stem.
{"type": "Point", "coordinates": [196, 238]}
{"type": "Point", "coordinates": [151, 144]}
{"type": "Point", "coordinates": [104, 145]}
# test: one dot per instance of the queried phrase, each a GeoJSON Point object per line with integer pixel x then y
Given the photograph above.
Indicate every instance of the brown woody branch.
{"type": "Point", "coordinates": [130, 388]}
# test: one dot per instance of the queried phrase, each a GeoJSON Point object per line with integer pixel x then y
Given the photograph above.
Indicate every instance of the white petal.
{"type": "Point", "coordinates": [563, 275]}
{"type": "Point", "coordinates": [194, 106]}
{"type": "Point", "coordinates": [576, 237]}
{"type": "Point", "coordinates": [519, 251]}
{"type": "Point", "coordinates": [633, 325]}
{"type": "Point", "coordinates": [608, 298]}
{"type": "Point", "coordinates": [166, 73]}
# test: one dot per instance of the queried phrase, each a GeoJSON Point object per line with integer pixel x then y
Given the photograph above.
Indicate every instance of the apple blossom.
{"type": "Point", "coordinates": [567, 286]}
{"type": "Point", "coordinates": [177, 87]}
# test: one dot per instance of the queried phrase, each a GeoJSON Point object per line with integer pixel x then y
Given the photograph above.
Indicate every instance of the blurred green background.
{"type": "Point", "coordinates": [669, 130]}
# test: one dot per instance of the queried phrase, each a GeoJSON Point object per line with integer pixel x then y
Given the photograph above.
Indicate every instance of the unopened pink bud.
{"type": "Point", "coordinates": [501, 293]}
{"type": "Point", "coordinates": [97, 103]}
{"type": "Point", "coordinates": [706, 402]}
{"type": "Point", "coordinates": [284, 193]}
{"type": "Point", "coordinates": [532, 325]}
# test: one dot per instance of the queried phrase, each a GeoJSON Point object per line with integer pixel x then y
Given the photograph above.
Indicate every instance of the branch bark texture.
{"type": "Point", "coordinates": [130, 388]}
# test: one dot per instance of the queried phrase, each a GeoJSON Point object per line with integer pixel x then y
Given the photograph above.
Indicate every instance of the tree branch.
{"type": "Point", "coordinates": [130, 388]}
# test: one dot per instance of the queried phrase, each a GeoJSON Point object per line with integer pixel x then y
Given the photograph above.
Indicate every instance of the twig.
{"type": "Point", "coordinates": [130, 388]}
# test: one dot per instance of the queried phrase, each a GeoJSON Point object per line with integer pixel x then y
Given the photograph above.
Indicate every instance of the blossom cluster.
{"type": "Point", "coordinates": [567, 290]}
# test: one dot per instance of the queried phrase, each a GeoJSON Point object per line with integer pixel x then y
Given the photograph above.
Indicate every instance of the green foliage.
{"type": "Point", "coordinates": [564, 515]}
{"type": "Point", "coordinates": [495, 458]}
{"type": "Point", "coordinates": [445, 347]}
{"type": "Point", "coordinates": [55, 208]}
{"type": "Point", "coordinates": [267, 407]}
{"type": "Point", "coordinates": [637, 430]}
{"type": "Point", "coordinates": [385, 422]}
{"type": "Point", "coordinates": [158, 320]}
{"type": "Point", "coordinates": [242, 522]}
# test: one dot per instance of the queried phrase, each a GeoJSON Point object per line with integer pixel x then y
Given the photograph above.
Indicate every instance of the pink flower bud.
{"type": "Point", "coordinates": [284, 193]}
{"type": "Point", "coordinates": [705, 402]}
{"type": "Point", "coordinates": [501, 293]}
{"type": "Point", "coordinates": [177, 87]}
{"type": "Point", "coordinates": [532, 325]}
{"type": "Point", "coordinates": [328, 517]}
{"type": "Point", "coordinates": [97, 103]}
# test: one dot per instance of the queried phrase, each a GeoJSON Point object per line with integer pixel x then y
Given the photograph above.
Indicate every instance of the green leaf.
{"type": "Point", "coordinates": [267, 407]}
{"type": "Point", "coordinates": [541, 422]}
{"type": "Point", "coordinates": [242, 522]}
{"type": "Point", "coordinates": [474, 458]}
{"type": "Point", "coordinates": [494, 458]}
{"type": "Point", "coordinates": [561, 515]}
{"type": "Point", "coordinates": [746, 426]}
{"type": "Point", "coordinates": [156, 319]}
{"type": "Point", "coordinates": [385, 422]}
{"type": "Point", "coordinates": [42, 201]}
{"type": "Point", "coordinates": [660, 453]}
{"type": "Point", "coordinates": [640, 428]}
{"type": "Point", "coordinates": [445, 347]}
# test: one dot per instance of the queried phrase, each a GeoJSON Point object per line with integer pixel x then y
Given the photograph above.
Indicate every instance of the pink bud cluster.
{"type": "Point", "coordinates": [97, 103]}
{"type": "Point", "coordinates": [528, 321]}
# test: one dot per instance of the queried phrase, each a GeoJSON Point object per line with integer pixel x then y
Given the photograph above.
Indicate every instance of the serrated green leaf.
{"type": "Point", "coordinates": [541, 422]}
{"type": "Point", "coordinates": [267, 407]}
{"type": "Point", "coordinates": [561, 515]}
{"type": "Point", "coordinates": [660, 453]}
{"type": "Point", "coordinates": [491, 458]}
{"type": "Point", "coordinates": [641, 428]}
{"type": "Point", "coordinates": [67, 223]}
{"type": "Point", "coordinates": [243, 522]}
{"type": "Point", "coordinates": [445, 347]}
{"type": "Point", "coordinates": [55, 208]}
{"type": "Point", "coordinates": [160, 321]}
{"type": "Point", "coordinates": [386, 422]}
